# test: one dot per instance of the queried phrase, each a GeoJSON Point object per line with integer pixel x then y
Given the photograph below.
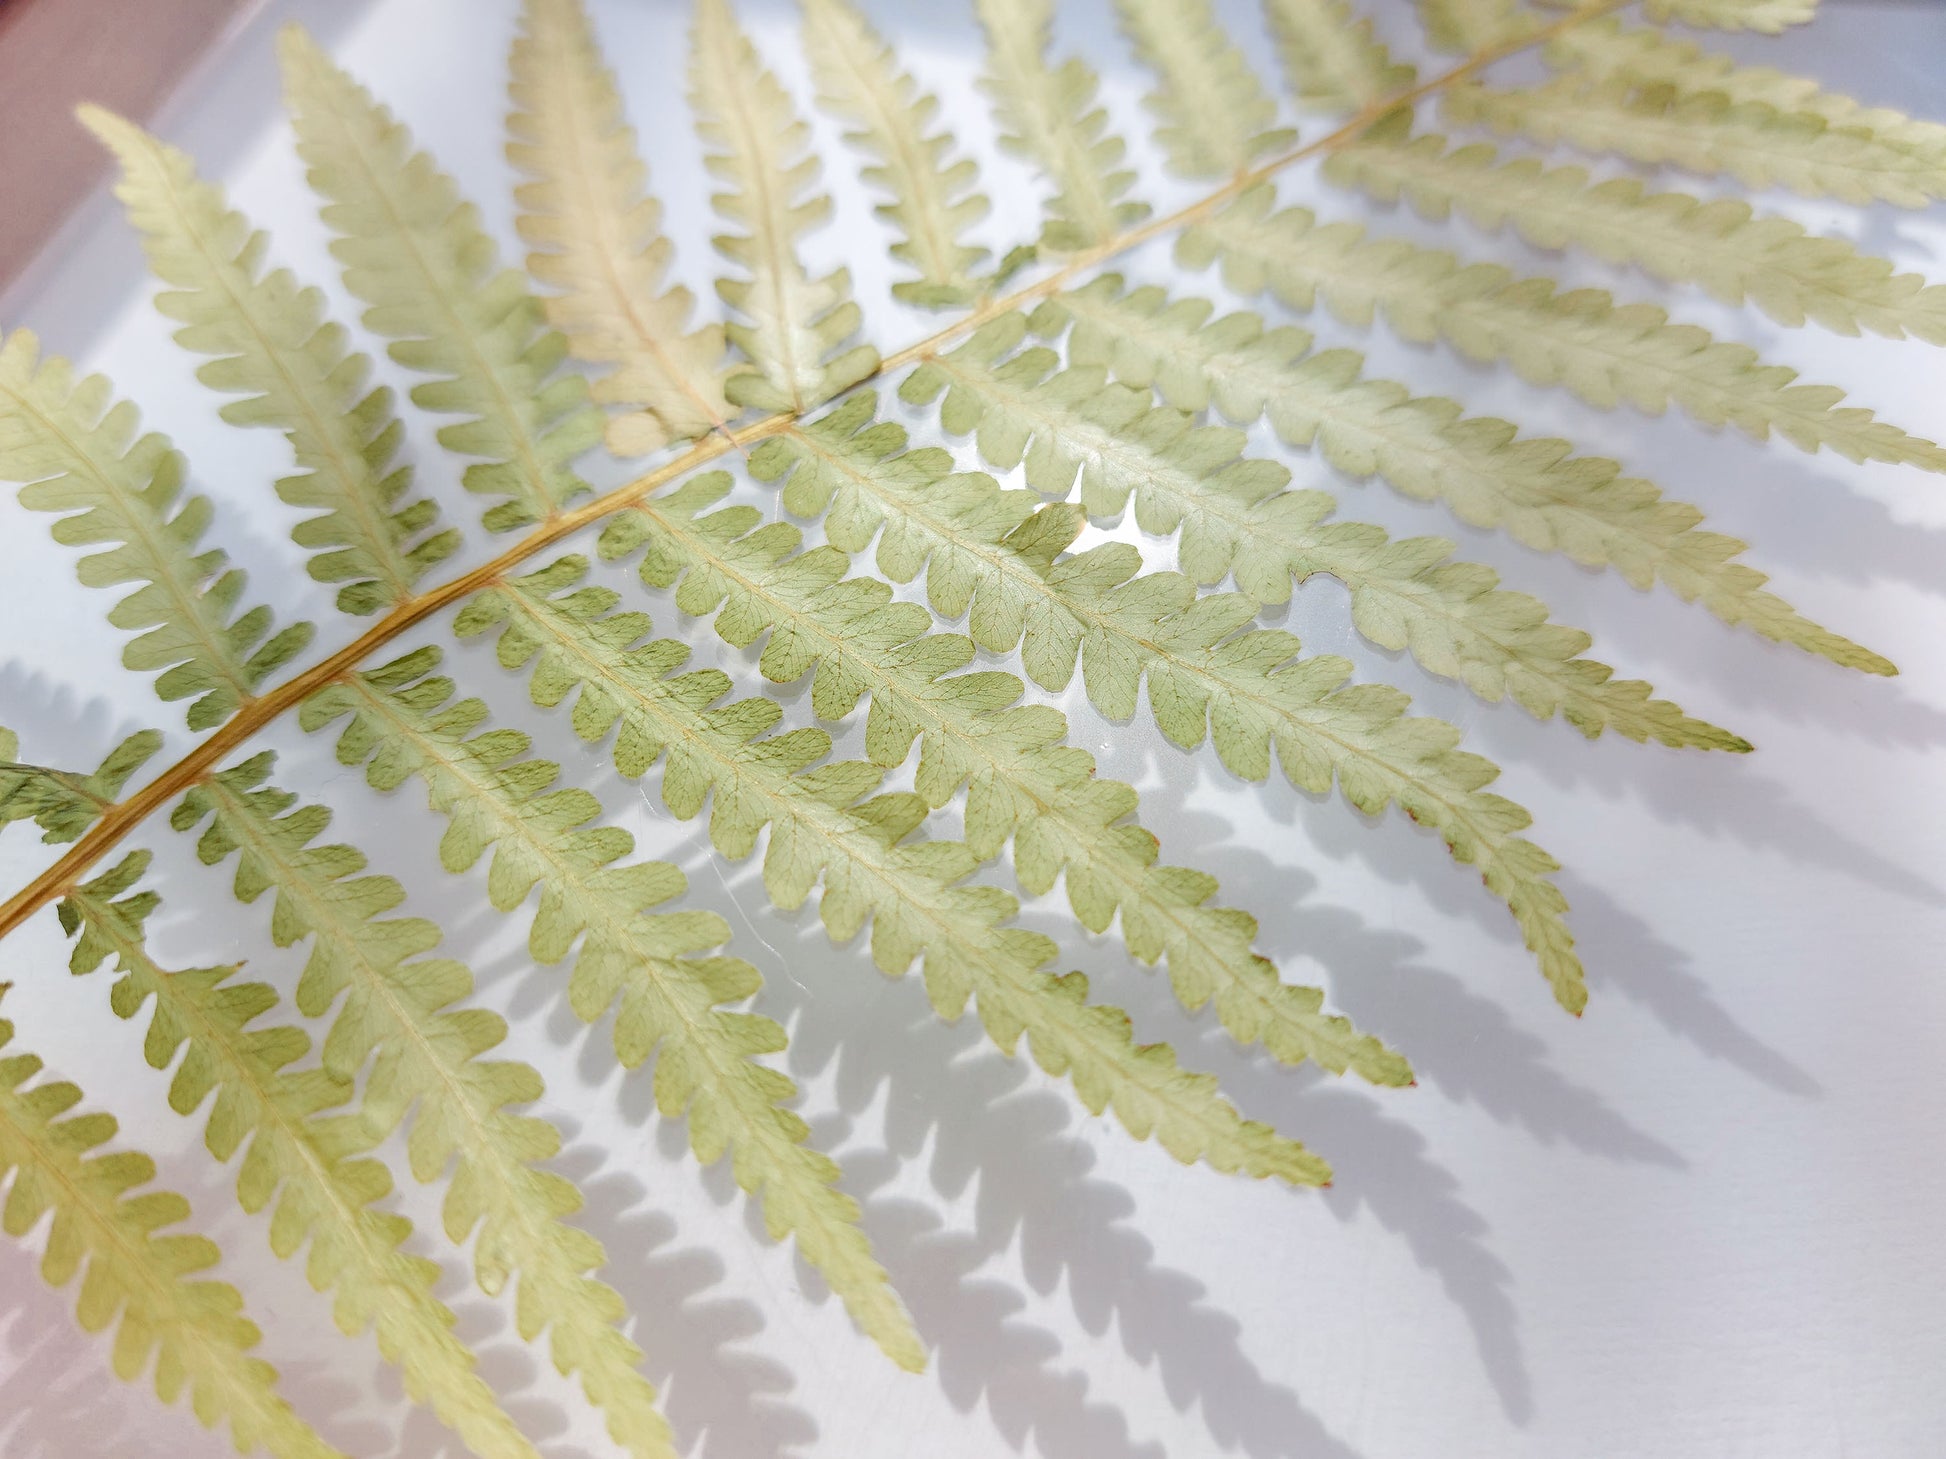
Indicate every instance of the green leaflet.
{"type": "Point", "coordinates": [1604, 352]}
{"type": "Point", "coordinates": [1659, 101]}
{"type": "Point", "coordinates": [1051, 116]}
{"type": "Point", "coordinates": [1234, 518]}
{"type": "Point", "coordinates": [1546, 498]}
{"type": "Point", "coordinates": [823, 826]}
{"type": "Point", "coordinates": [1213, 117]}
{"type": "Point", "coordinates": [402, 725]}
{"type": "Point", "coordinates": [1158, 629]}
{"type": "Point", "coordinates": [78, 453]}
{"type": "Point", "coordinates": [416, 253]}
{"type": "Point", "coordinates": [1332, 58]}
{"type": "Point", "coordinates": [1766, 16]}
{"type": "Point", "coordinates": [62, 802]}
{"type": "Point", "coordinates": [315, 1167]}
{"type": "Point", "coordinates": [273, 345]}
{"type": "Point", "coordinates": [598, 241]}
{"type": "Point", "coordinates": [757, 147]}
{"type": "Point", "coordinates": [934, 200]}
{"type": "Point", "coordinates": [1024, 784]}
{"type": "Point", "coordinates": [136, 1275]}
{"type": "Point", "coordinates": [398, 1003]}
{"type": "Point", "coordinates": [1465, 26]}
{"type": "Point", "coordinates": [1722, 245]}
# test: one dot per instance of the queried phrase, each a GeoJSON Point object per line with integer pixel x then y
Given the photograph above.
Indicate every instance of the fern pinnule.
{"type": "Point", "coordinates": [1467, 26]}
{"type": "Point", "coordinates": [416, 254]}
{"type": "Point", "coordinates": [1214, 118]}
{"type": "Point", "coordinates": [935, 196]}
{"type": "Point", "coordinates": [1723, 245]}
{"type": "Point", "coordinates": [273, 345]}
{"type": "Point", "coordinates": [62, 802]}
{"type": "Point", "coordinates": [1768, 17]}
{"type": "Point", "coordinates": [1025, 784]}
{"type": "Point", "coordinates": [758, 147]}
{"type": "Point", "coordinates": [306, 1157]}
{"type": "Point", "coordinates": [1332, 57]}
{"type": "Point", "coordinates": [596, 239]}
{"type": "Point", "coordinates": [396, 1002]}
{"type": "Point", "coordinates": [77, 449]}
{"type": "Point", "coordinates": [403, 723]}
{"type": "Point", "coordinates": [1604, 352]}
{"type": "Point", "coordinates": [1423, 446]}
{"type": "Point", "coordinates": [136, 1276]}
{"type": "Point", "coordinates": [826, 823]}
{"type": "Point", "coordinates": [1052, 116]}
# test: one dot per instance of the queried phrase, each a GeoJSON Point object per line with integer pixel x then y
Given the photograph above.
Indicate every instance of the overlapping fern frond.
{"type": "Point", "coordinates": [1089, 399]}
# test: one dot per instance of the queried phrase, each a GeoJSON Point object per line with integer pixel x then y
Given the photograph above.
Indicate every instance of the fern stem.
{"type": "Point", "coordinates": [61, 878]}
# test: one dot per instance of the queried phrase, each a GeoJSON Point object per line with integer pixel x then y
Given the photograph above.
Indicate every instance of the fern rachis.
{"type": "Point", "coordinates": [1077, 414]}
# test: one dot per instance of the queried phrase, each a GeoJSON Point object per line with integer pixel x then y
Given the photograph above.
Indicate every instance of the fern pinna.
{"type": "Point", "coordinates": [1095, 398]}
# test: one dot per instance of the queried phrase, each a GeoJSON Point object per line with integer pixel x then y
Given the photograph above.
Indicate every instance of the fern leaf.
{"type": "Point", "coordinates": [1234, 517]}
{"type": "Point", "coordinates": [78, 453]}
{"type": "Point", "coordinates": [62, 802]}
{"type": "Point", "coordinates": [417, 255]}
{"type": "Point", "coordinates": [1053, 118]}
{"type": "Point", "coordinates": [398, 1003]}
{"type": "Point", "coordinates": [758, 148]}
{"type": "Point", "coordinates": [1769, 17]}
{"type": "Point", "coordinates": [1583, 340]}
{"type": "Point", "coordinates": [1333, 59]}
{"type": "Point", "coordinates": [1025, 785]}
{"type": "Point", "coordinates": [1723, 245]}
{"type": "Point", "coordinates": [1663, 102]}
{"type": "Point", "coordinates": [1214, 118]}
{"type": "Point", "coordinates": [1423, 446]}
{"type": "Point", "coordinates": [273, 345]}
{"type": "Point", "coordinates": [934, 196]}
{"type": "Point", "coordinates": [135, 1275]}
{"type": "Point", "coordinates": [496, 799]}
{"type": "Point", "coordinates": [1465, 26]}
{"type": "Point", "coordinates": [821, 825]}
{"type": "Point", "coordinates": [316, 1167]}
{"type": "Point", "coordinates": [597, 240]}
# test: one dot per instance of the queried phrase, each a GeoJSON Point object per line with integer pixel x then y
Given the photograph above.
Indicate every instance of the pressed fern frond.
{"type": "Point", "coordinates": [934, 200]}
{"type": "Point", "coordinates": [1333, 59]}
{"type": "Point", "coordinates": [798, 325]}
{"type": "Point", "coordinates": [1052, 117]}
{"type": "Point", "coordinates": [1659, 102]}
{"type": "Point", "coordinates": [315, 1166]}
{"type": "Point", "coordinates": [65, 803]}
{"type": "Point", "coordinates": [273, 345]}
{"type": "Point", "coordinates": [1604, 352]}
{"type": "Point", "coordinates": [399, 1004]}
{"type": "Point", "coordinates": [78, 451]}
{"type": "Point", "coordinates": [495, 798]}
{"type": "Point", "coordinates": [1214, 116]}
{"type": "Point", "coordinates": [408, 1053]}
{"type": "Point", "coordinates": [598, 241]}
{"type": "Point", "coordinates": [1722, 245]}
{"type": "Point", "coordinates": [417, 255]}
{"type": "Point", "coordinates": [136, 1276]}
{"type": "Point", "coordinates": [823, 825]}
{"type": "Point", "coordinates": [1025, 785]}
{"type": "Point", "coordinates": [1541, 494]}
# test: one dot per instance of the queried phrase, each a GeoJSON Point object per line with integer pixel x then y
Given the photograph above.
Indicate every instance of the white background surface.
{"type": "Point", "coordinates": [1704, 1220]}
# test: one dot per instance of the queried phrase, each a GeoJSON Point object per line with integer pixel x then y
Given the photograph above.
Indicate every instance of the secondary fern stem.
{"type": "Point", "coordinates": [116, 824]}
